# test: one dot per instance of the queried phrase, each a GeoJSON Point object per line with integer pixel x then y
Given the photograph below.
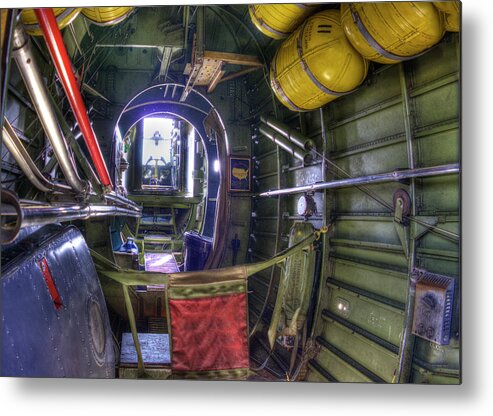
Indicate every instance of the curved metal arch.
{"type": "Point", "coordinates": [195, 109]}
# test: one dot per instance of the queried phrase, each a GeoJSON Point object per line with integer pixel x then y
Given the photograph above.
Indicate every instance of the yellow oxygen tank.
{"type": "Point", "coordinates": [278, 20]}
{"type": "Point", "coordinates": [390, 32]}
{"type": "Point", "coordinates": [64, 16]}
{"type": "Point", "coordinates": [316, 64]}
{"type": "Point", "coordinates": [451, 14]}
{"type": "Point", "coordinates": [107, 16]}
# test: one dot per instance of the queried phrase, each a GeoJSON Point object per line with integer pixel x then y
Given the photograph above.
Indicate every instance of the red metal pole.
{"type": "Point", "coordinates": [54, 41]}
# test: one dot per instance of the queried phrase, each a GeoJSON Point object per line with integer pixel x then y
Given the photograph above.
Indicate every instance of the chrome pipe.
{"type": "Point", "coordinates": [38, 92]}
{"type": "Point", "coordinates": [370, 179]}
{"type": "Point", "coordinates": [26, 164]}
{"type": "Point", "coordinates": [16, 215]}
{"type": "Point", "coordinates": [292, 135]}
{"type": "Point", "coordinates": [284, 144]}
{"type": "Point", "coordinates": [121, 201]}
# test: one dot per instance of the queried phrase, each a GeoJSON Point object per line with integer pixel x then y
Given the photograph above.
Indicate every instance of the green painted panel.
{"type": "Point", "coordinates": [438, 355]}
{"type": "Point", "coordinates": [443, 59]}
{"type": "Point", "coordinates": [433, 240]}
{"type": "Point", "coordinates": [268, 226]}
{"type": "Point", "coordinates": [440, 193]}
{"type": "Point", "coordinates": [266, 165]}
{"type": "Point", "coordinates": [437, 105]}
{"type": "Point", "coordinates": [265, 184]}
{"type": "Point", "coordinates": [422, 376]}
{"type": "Point", "coordinates": [352, 200]}
{"type": "Point", "coordinates": [314, 376]}
{"type": "Point", "coordinates": [377, 257]}
{"type": "Point", "coordinates": [440, 266]}
{"type": "Point", "coordinates": [384, 123]}
{"type": "Point", "coordinates": [370, 231]}
{"type": "Point", "coordinates": [379, 87]}
{"type": "Point", "coordinates": [264, 145]}
{"type": "Point", "coordinates": [439, 149]}
{"type": "Point", "coordinates": [375, 358]}
{"type": "Point", "coordinates": [383, 282]}
{"type": "Point", "coordinates": [340, 369]}
{"type": "Point", "coordinates": [381, 320]}
{"type": "Point", "coordinates": [376, 160]}
{"type": "Point", "coordinates": [305, 176]}
{"type": "Point", "coordinates": [265, 206]}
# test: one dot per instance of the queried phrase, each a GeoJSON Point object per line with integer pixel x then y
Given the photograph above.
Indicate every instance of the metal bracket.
{"type": "Point", "coordinates": [401, 226]}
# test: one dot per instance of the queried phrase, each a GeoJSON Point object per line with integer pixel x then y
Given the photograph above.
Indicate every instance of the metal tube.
{"type": "Point", "coordinates": [6, 50]}
{"type": "Point", "coordinates": [370, 179]}
{"type": "Point", "coordinates": [133, 329]}
{"type": "Point", "coordinates": [122, 201]}
{"type": "Point", "coordinates": [293, 136]}
{"type": "Point", "coordinates": [406, 347]}
{"type": "Point", "coordinates": [283, 143]}
{"type": "Point", "coordinates": [16, 215]}
{"type": "Point", "coordinates": [38, 92]}
{"type": "Point", "coordinates": [22, 158]}
{"type": "Point", "coordinates": [58, 52]}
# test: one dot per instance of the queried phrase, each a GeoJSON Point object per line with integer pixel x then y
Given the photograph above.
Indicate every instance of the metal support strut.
{"type": "Point", "coordinates": [54, 41]}
{"type": "Point", "coordinates": [397, 175]}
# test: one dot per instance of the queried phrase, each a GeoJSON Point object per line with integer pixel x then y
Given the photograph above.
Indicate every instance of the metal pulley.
{"type": "Point", "coordinates": [402, 205]}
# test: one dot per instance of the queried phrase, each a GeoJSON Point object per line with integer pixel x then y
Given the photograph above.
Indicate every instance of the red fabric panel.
{"type": "Point", "coordinates": [209, 333]}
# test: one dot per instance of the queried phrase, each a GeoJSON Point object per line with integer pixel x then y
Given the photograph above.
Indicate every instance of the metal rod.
{"type": "Point", "coordinates": [283, 143]}
{"type": "Point", "coordinates": [292, 135]}
{"type": "Point", "coordinates": [16, 214]}
{"type": "Point", "coordinates": [6, 51]}
{"type": "Point", "coordinates": [22, 158]}
{"type": "Point", "coordinates": [78, 153]}
{"type": "Point", "coordinates": [122, 201]}
{"type": "Point", "coordinates": [38, 92]}
{"type": "Point", "coordinates": [406, 347]}
{"type": "Point", "coordinates": [133, 329]}
{"type": "Point", "coordinates": [58, 52]}
{"type": "Point", "coordinates": [397, 175]}
{"type": "Point", "coordinates": [237, 74]}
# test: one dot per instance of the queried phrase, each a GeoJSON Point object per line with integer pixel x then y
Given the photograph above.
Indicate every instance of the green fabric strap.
{"type": "Point", "coordinates": [206, 290]}
{"type": "Point", "coordinates": [233, 374]}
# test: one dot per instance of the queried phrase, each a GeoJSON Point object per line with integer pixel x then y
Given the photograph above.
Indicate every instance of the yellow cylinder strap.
{"type": "Point", "coordinates": [107, 16]}
{"type": "Point", "coordinates": [277, 86]}
{"type": "Point", "coordinates": [308, 71]}
{"type": "Point", "coordinates": [63, 18]}
{"type": "Point", "coordinates": [262, 23]}
{"type": "Point", "coordinates": [374, 44]}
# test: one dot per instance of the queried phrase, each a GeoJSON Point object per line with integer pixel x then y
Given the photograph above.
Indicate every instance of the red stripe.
{"type": "Point", "coordinates": [55, 296]}
{"type": "Point", "coordinates": [54, 41]}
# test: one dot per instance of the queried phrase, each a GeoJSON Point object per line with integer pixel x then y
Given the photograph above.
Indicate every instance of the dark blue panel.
{"type": "Point", "coordinates": [39, 340]}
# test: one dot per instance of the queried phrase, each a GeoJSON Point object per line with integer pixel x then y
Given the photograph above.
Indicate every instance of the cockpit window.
{"type": "Point", "coordinates": [160, 153]}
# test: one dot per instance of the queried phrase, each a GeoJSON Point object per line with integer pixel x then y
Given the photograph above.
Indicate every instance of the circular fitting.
{"type": "Point", "coordinates": [11, 208]}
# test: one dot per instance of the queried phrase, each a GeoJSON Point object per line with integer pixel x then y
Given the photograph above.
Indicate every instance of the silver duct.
{"type": "Point", "coordinates": [18, 214]}
{"type": "Point", "coordinates": [293, 136]}
{"type": "Point", "coordinates": [26, 164]}
{"type": "Point", "coordinates": [38, 92]}
{"type": "Point", "coordinates": [283, 143]}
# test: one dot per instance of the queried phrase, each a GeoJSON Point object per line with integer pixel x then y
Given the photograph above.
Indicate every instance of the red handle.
{"type": "Point", "coordinates": [54, 41]}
